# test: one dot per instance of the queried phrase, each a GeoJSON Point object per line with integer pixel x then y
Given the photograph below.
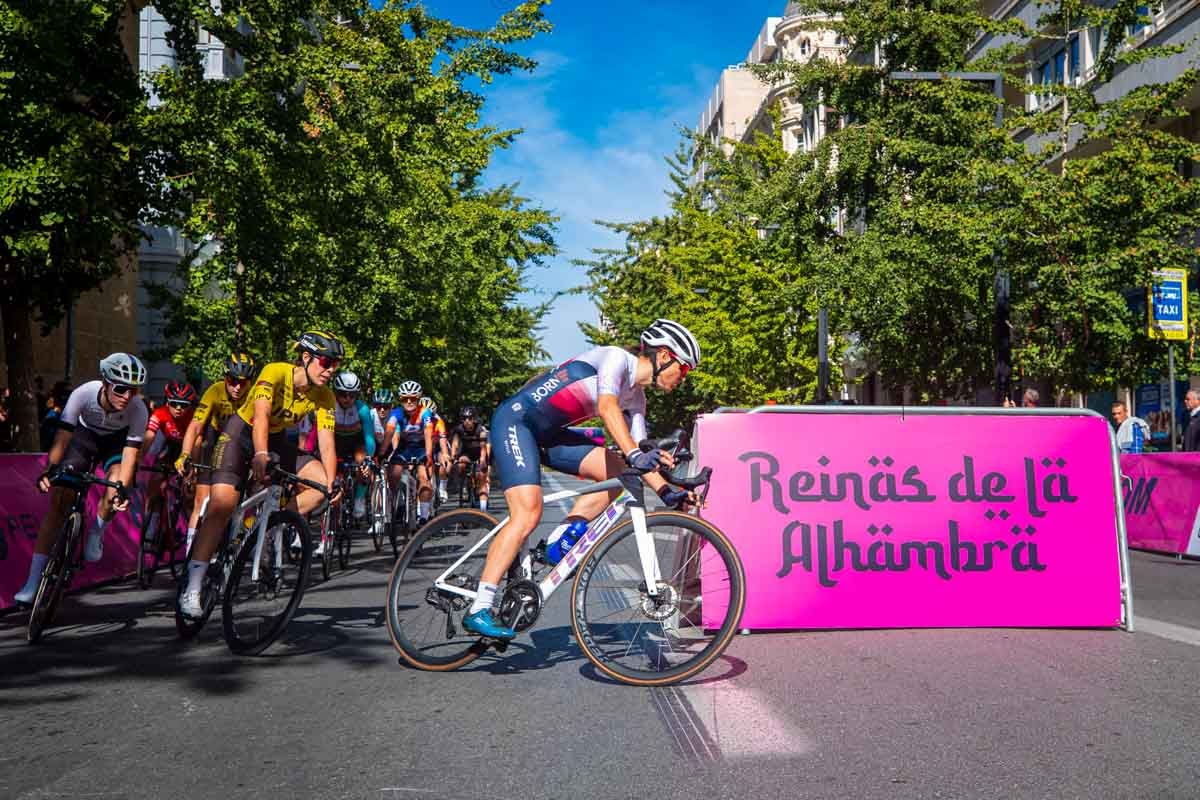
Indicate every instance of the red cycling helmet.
{"type": "Point", "coordinates": [181, 393]}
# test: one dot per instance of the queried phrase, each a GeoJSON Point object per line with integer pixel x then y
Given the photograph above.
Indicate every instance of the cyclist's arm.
{"type": "Point", "coordinates": [130, 456]}
{"type": "Point", "coordinates": [429, 442]}
{"type": "Point", "coordinates": [147, 441]}
{"type": "Point", "coordinates": [455, 445]}
{"type": "Point", "coordinates": [614, 422]}
{"type": "Point", "coordinates": [367, 418]}
{"type": "Point", "coordinates": [261, 430]}
{"type": "Point", "coordinates": [389, 435]}
{"type": "Point", "coordinates": [328, 448]}
{"type": "Point", "coordinates": [190, 436]}
{"type": "Point", "coordinates": [58, 448]}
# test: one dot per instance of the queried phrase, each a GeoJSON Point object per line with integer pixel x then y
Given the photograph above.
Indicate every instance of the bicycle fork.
{"type": "Point", "coordinates": [260, 527]}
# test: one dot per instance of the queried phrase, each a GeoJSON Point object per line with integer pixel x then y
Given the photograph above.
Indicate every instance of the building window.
{"type": "Point", "coordinates": [1140, 25]}
{"type": "Point", "coordinates": [805, 47]}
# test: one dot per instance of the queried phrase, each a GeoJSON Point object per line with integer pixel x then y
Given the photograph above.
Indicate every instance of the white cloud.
{"type": "Point", "coordinates": [615, 173]}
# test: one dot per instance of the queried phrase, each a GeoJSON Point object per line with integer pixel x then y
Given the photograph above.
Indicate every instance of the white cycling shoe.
{"type": "Point", "coordinates": [27, 593]}
{"type": "Point", "coordinates": [190, 606]}
{"type": "Point", "coordinates": [360, 508]}
{"type": "Point", "coordinates": [319, 550]}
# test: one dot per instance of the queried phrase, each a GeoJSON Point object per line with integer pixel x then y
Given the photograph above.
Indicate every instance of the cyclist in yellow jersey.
{"type": "Point", "coordinates": [282, 394]}
{"type": "Point", "coordinates": [217, 405]}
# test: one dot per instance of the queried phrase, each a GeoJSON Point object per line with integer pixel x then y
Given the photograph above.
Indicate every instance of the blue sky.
{"type": "Point", "coordinates": [616, 80]}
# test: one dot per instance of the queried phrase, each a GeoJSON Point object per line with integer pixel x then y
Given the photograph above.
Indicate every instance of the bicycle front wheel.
{"type": "Point", "coordinates": [377, 511]}
{"type": "Point", "coordinates": [655, 640]}
{"type": "Point", "coordinates": [256, 612]}
{"type": "Point", "coordinates": [425, 622]}
{"type": "Point", "coordinates": [54, 578]}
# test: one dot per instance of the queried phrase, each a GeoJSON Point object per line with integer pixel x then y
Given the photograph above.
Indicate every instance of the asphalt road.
{"type": "Point", "coordinates": [112, 705]}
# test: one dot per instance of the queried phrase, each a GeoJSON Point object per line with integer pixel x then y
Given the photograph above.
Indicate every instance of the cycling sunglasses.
{"type": "Point", "coordinates": [684, 369]}
{"type": "Point", "coordinates": [179, 403]}
{"type": "Point", "coordinates": [328, 362]}
{"type": "Point", "coordinates": [121, 390]}
{"type": "Point", "coordinates": [413, 399]}
{"type": "Point", "coordinates": [232, 381]}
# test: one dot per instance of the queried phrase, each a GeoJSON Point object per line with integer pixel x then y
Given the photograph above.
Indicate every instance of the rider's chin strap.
{"type": "Point", "coordinates": [655, 366]}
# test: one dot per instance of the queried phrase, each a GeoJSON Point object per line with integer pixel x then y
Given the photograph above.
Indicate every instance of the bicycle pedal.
{"type": "Point", "coordinates": [500, 644]}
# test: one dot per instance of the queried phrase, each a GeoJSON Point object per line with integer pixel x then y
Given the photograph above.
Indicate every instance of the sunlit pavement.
{"type": "Point", "coordinates": [111, 704]}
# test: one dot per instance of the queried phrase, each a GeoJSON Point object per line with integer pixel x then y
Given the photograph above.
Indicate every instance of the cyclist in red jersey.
{"type": "Point", "coordinates": [165, 429]}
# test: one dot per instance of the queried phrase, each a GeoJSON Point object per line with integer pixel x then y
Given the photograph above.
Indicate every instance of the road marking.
{"type": "Point", "coordinates": [1167, 630]}
{"type": "Point", "coordinates": [744, 723]}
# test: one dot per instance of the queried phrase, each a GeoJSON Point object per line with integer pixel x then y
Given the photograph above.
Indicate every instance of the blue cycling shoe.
{"type": "Point", "coordinates": [483, 623]}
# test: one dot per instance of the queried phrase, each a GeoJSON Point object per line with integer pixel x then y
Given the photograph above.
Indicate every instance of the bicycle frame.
{"type": "Point", "coordinates": [631, 498]}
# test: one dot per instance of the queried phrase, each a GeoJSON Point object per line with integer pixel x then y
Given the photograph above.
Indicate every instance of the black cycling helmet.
{"type": "Point", "coordinates": [467, 412]}
{"type": "Point", "coordinates": [321, 343]}
{"type": "Point", "coordinates": [240, 366]}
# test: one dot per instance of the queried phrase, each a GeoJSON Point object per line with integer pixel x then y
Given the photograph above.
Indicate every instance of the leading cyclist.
{"type": "Point", "coordinates": [530, 427]}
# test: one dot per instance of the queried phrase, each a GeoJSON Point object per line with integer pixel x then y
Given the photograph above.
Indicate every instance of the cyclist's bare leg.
{"type": "Point", "coordinates": [425, 492]}
{"type": "Point", "coordinates": [525, 510]}
{"type": "Point", "coordinates": [201, 493]}
{"type": "Point", "coordinates": [61, 499]}
{"type": "Point", "coordinates": [223, 498]}
{"type": "Point", "coordinates": [598, 465]}
{"type": "Point", "coordinates": [308, 499]}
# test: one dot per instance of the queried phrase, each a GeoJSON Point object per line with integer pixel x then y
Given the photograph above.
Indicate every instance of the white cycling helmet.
{"type": "Point", "coordinates": [674, 337]}
{"type": "Point", "coordinates": [346, 381]}
{"type": "Point", "coordinates": [123, 368]}
{"type": "Point", "coordinates": [409, 389]}
{"type": "Point", "coordinates": [427, 403]}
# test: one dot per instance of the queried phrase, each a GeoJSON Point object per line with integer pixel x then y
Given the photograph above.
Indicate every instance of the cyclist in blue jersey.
{"type": "Point", "coordinates": [353, 430]}
{"type": "Point", "coordinates": [409, 429]}
{"type": "Point", "coordinates": [530, 428]}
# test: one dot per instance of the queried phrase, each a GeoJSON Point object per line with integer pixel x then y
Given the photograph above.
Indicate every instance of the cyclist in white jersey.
{"type": "Point", "coordinates": [102, 424]}
{"type": "Point", "coordinates": [530, 428]}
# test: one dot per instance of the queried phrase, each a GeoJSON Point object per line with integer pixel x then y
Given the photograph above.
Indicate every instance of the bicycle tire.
{"type": "Point", "coordinates": [327, 542]}
{"type": "Point", "coordinates": [248, 632]}
{"type": "Point", "coordinates": [399, 518]}
{"type": "Point", "coordinates": [53, 580]}
{"type": "Point", "coordinates": [415, 624]}
{"type": "Point", "coordinates": [150, 544]}
{"type": "Point", "coordinates": [667, 643]}
{"type": "Point", "coordinates": [345, 530]}
{"type": "Point", "coordinates": [376, 513]}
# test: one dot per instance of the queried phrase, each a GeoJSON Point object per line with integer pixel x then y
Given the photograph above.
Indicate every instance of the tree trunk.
{"type": "Point", "coordinates": [18, 353]}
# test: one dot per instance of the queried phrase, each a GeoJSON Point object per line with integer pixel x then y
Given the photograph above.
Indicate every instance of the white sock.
{"type": "Point", "coordinates": [100, 524]}
{"type": "Point", "coordinates": [36, 565]}
{"type": "Point", "coordinates": [485, 598]}
{"type": "Point", "coordinates": [483, 502]}
{"type": "Point", "coordinates": [191, 534]}
{"type": "Point", "coordinates": [423, 508]}
{"type": "Point", "coordinates": [557, 533]}
{"type": "Point", "coordinates": [196, 572]}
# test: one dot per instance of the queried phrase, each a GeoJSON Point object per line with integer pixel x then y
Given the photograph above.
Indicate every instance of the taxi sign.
{"type": "Point", "coordinates": [1166, 304]}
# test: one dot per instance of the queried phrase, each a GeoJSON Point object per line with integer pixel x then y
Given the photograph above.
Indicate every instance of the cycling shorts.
{"type": "Point", "coordinates": [408, 454]}
{"type": "Point", "coordinates": [234, 450]}
{"type": "Point", "coordinates": [88, 450]}
{"type": "Point", "coordinates": [207, 445]}
{"type": "Point", "coordinates": [518, 453]}
{"type": "Point", "coordinates": [350, 446]}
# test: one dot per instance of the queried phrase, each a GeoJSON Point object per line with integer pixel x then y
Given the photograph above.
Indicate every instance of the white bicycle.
{"type": "Point", "coordinates": [655, 600]}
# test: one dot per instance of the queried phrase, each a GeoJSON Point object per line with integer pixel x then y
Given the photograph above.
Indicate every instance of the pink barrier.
{"type": "Point", "coordinates": [1162, 501]}
{"type": "Point", "coordinates": [918, 520]}
{"type": "Point", "coordinates": [21, 510]}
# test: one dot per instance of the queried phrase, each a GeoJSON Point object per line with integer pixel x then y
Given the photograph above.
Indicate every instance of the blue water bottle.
{"type": "Point", "coordinates": [557, 549]}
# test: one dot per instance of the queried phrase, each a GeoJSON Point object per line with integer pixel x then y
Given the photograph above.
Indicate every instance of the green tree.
{"type": "Point", "coordinates": [341, 170]}
{"type": "Point", "coordinates": [75, 174]}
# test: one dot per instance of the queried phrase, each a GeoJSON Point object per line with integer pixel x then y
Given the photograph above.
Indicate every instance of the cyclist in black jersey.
{"type": "Point", "coordinates": [469, 443]}
{"type": "Point", "coordinates": [530, 428]}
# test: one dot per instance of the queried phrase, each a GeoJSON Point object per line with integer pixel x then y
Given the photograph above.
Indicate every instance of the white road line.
{"type": "Point", "coordinates": [558, 487]}
{"type": "Point", "coordinates": [1167, 630]}
{"type": "Point", "coordinates": [744, 723]}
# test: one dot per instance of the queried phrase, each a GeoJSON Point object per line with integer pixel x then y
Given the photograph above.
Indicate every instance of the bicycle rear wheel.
{"type": "Point", "coordinates": [377, 512]}
{"type": "Point", "coordinates": [54, 578]}
{"type": "Point", "coordinates": [256, 612]}
{"type": "Point", "coordinates": [425, 622]}
{"type": "Point", "coordinates": [399, 516]}
{"type": "Point", "coordinates": [653, 641]}
{"type": "Point", "coordinates": [150, 549]}
{"type": "Point", "coordinates": [345, 529]}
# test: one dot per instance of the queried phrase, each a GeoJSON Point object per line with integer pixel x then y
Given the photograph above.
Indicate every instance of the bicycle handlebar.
{"type": "Point", "coordinates": [70, 473]}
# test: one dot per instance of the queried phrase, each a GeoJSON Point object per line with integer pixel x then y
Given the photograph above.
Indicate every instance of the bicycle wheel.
{"type": "Point", "coordinates": [54, 578]}
{"type": "Point", "coordinates": [399, 525]}
{"type": "Point", "coordinates": [376, 512]}
{"type": "Point", "coordinates": [257, 612]}
{"type": "Point", "coordinates": [150, 543]}
{"type": "Point", "coordinates": [327, 543]}
{"type": "Point", "coordinates": [653, 641]}
{"type": "Point", "coordinates": [425, 623]}
{"type": "Point", "coordinates": [345, 530]}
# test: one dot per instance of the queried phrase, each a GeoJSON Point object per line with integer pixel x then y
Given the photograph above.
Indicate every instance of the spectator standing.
{"type": "Point", "coordinates": [1030, 398]}
{"type": "Point", "coordinates": [52, 412]}
{"type": "Point", "coordinates": [1132, 432]}
{"type": "Point", "coordinates": [1191, 434]}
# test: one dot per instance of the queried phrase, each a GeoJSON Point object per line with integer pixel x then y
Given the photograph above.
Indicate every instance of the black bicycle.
{"type": "Point", "coordinates": [468, 492]}
{"type": "Point", "coordinates": [337, 521]}
{"type": "Point", "coordinates": [260, 569]}
{"type": "Point", "coordinates": [159, 545]}
{"type": "Point", "coordinates": [66, 557]}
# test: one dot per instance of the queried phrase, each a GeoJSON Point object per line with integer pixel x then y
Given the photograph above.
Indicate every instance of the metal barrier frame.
{"type": "Point", "coordinates": [976, 411]}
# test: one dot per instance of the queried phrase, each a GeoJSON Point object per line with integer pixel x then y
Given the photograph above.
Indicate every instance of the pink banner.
{"type": "Point", "coordinates": [917, 520]}
{"type": "Point", "coordinates": [1162, 497]}
{"type": "Point", "coordinates": [21, 509]}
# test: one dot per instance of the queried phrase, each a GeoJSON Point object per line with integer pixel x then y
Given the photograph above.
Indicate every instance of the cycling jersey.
{"type": "Point", "coordinates": [470, 442]}
{"type": "Point", "coordinates": [532, 424]}
{"type": "Point", "coordinates": [274, 383]}
{"type": "Point", "coordinates": [83, 410]}
{"type": "Point", "coordinates": [215, 407]}
{"type": "Point", "coordinates": [168, 431]}
{"type": "Point", "coordinates": [411, 427]}
{"type": "Point", "coordinates": [354, 427]}
{"type": "Point", "coordinates": [439, 430]}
